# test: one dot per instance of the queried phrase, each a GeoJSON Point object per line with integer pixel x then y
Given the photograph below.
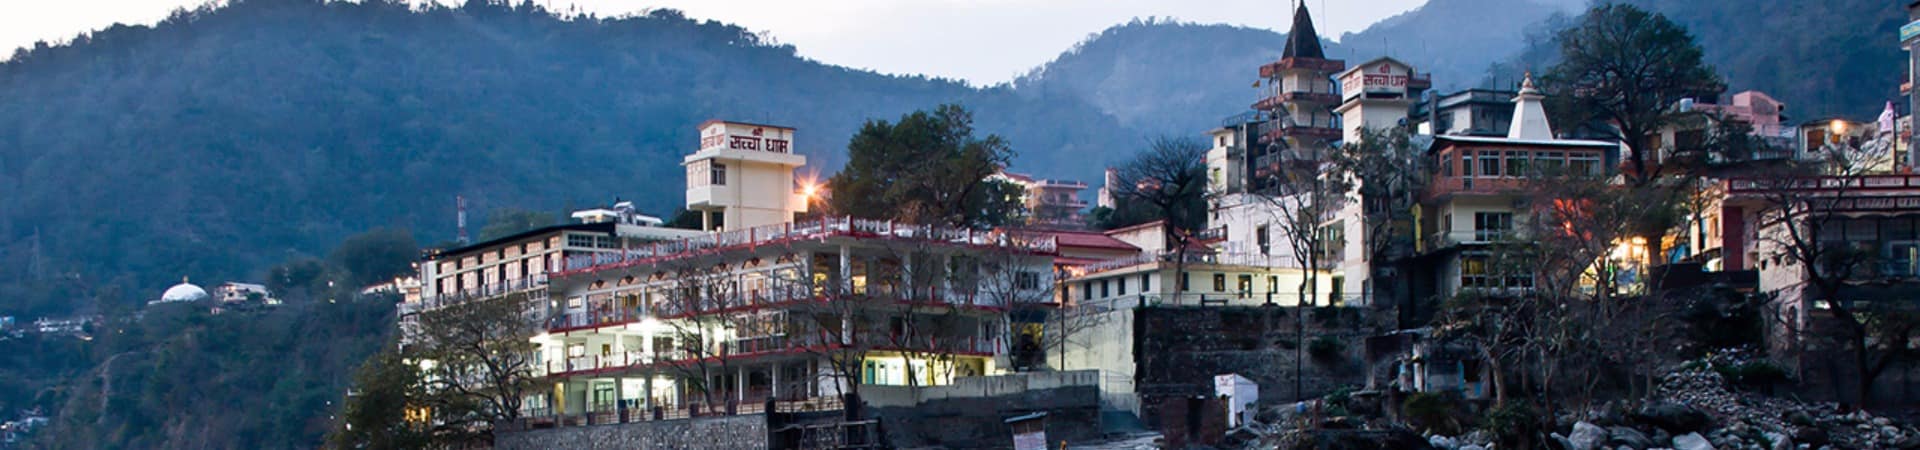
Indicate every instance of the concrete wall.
{"type": "Point", "coordinates": [973, 412]}
{"type": "Point", "coordinates": [1179, 351]}
{"type": "Point", "coordinates": [977, 387]}
{"type": "Point", "coordinates": [748, 432]}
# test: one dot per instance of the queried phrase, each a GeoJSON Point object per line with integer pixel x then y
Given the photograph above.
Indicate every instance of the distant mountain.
{"type": "Point", "coordinates": [228, 138]}
{"type": "Point", "coordinates": [1455, 40]}
{"type": "Point", "coordinates": [1161, 77]}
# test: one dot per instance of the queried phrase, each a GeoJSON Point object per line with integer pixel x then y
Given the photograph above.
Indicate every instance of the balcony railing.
{"type": "Point", "coordinates": [783, 294]}
{"type": "Point", "coordinates": [812, 229]}
{"type": "Point", "coordinates": [490, 290]}
{"type": "Point", "coordinates": [1195, 257]}
{"type": "Point", "coordinates": [1449, 239]}
{"type": "Point", "coordinates": [766, 345]}
{"type": "Point", "coordinates": [1861, 183]}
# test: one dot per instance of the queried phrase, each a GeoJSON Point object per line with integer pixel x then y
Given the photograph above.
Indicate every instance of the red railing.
{"type": "Point", "coordinates": [773, 345]}
{"type": "Point", "coordinates": [813, 229]}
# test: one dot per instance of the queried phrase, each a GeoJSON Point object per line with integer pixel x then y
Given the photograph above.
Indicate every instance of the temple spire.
{"type": "Point", "coordinates": [1529, 116]}
{"type": "Point", "coordinates": [1302, 41]}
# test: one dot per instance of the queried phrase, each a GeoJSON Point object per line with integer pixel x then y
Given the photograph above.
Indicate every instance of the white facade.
{"type": "Point", "coordinates": [742, 176]}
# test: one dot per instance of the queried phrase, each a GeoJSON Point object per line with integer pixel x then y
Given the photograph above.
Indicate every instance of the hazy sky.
{"type": "Point", "coordinates": [982, 41]}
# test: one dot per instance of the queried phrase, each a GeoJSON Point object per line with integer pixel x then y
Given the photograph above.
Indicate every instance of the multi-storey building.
{"type": "Point", "coordinates": [788, 311]}
{"type": "Point", "coordinates": [1476, 197]}
{"type": "Point", "coordinates": [742, 176]}
{"type": "Point", "coordinates": [1054, 203]}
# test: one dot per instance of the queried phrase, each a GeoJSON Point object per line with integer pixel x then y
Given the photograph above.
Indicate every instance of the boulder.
{"type": "Point", "coordinates": [1443, 442]}
{"type": "Point", "coordinates": [1811, 436]}
{"type": "Point", "coordinates": [1673, 417]}
{"type": "Point", "coordinates": [1780, 441]}
{"type": "Point", "coordinates": [1561, 442]}
{"type": "Point", "coordinates": [1628, 437]}
{"type": "Point", "coordinates": [1691, 441]}
{"type": "Point", "coordinates": [1472, 447]}
{"type": "Point", "coordinates": [1587, 436]}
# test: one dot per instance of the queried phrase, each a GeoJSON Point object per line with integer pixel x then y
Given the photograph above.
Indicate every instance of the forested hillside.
{"type": "Point", "coordinates": [228, 138]}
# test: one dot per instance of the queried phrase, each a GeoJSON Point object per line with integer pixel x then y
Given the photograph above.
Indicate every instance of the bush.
{"type": "Point", "coordinates": [1753, 374]}
{"type": "Point", "coordinates": [1513, 424]}
{"type": "Point", "coordinates": [1433, 412]}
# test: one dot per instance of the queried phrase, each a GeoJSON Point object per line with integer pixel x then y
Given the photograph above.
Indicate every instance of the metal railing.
{"type": "Point", "coordinates": [812, 229]}
{"type": "Point", "coordinates": [489, 290]}
{"type": "Point", "coordinates": [1448, 239]}
{"type": "Point", "coordinates": [1824, 183]}
{"type": "Point", "coordinates": [747, 348]}
{"type": "Point", "coordinates": [1195, 257]}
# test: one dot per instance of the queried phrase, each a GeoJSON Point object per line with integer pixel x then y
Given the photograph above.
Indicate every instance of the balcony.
{"type": "Point", "coordinates": [809, 230]}
{"type": "Point", "coordinates": [1276, 68]}
{"type": "Point", "coordinates": [1300, 132]}
{"type": "Point", "coordinates": [1445, 187]}
{"type": "Point", "coordinates": [778, 295]}
{"type": "Point", "coordinates": [1225, 259]}
{"type": "Point", "coordinates": [802, 342]}
{"type": "Point", "coordinates": [1835, 184]}
{"type": "Point", "coordinates": [1274, 102]}
{"type": "Point", "coordinates": [1449, 239]}
{"type": "Point", "coordinates": [531, 283]}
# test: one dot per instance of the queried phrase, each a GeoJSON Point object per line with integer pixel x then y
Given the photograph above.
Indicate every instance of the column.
{"type": "Point", "coordinates": [740, 384]}
{"type": "Point", "coordinates": [846, 269]}
{"type": "Point", "coordinates": [774, 390]}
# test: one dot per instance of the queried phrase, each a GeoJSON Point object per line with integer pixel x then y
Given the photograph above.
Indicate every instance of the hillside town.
{"type": "Point", "coordinates": [1612, 247]}
{"type": "Point", "coordinates": [1373, 262]}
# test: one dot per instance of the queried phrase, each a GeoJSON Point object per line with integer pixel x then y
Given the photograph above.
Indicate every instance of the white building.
{"type": "Point", "coordinates": [742, 176]}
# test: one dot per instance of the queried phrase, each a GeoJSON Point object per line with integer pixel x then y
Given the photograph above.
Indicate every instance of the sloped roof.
{"type": "Point", "coordinates": [1302, 41]}
{"type": "Point", "coordinates": [1091, 240]}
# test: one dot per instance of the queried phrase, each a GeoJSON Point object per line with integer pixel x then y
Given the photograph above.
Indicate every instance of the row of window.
{"type": "Point", "coordinates": [1515, 163]}
{"type": "Point", "coordinates": [715, 174]}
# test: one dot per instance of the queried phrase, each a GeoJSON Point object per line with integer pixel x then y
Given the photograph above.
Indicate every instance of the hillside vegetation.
{"type": "Point", "coordinates": [226, 138]}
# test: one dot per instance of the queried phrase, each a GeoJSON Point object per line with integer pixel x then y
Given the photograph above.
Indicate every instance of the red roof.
{"type": "Point", "coordinates": [1091, 240]}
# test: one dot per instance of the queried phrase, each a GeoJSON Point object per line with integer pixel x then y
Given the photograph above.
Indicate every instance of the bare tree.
{"type": "Point", "coordinates": [1171, 177]}
{"type": "Point", "coordinates": [1801, 221]}
{"type": "Point", "coordinates": [1387, 168]}
{"type": "Point", "coordinates": [481, 363]}
{"type": "Point", "coordinates": [692, 309]}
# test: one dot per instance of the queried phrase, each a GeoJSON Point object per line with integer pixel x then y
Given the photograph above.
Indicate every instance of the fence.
{"type": "Point", "coordinates": [818, 229]}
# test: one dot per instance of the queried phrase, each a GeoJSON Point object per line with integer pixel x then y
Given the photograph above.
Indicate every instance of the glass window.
{"type": "Point", "coordinates": [1517, 164]}
{"type": "Point", "coordinates": [719, 174]}
{"type": "Point", "coordinates": [1219, 282]}
{"type": "Point", "coordinates": [1146, 282]}
{"type": "Point", "coordinates": [1122, 285]}
{"type": "Point", "coordinates": [1491, 226]}
{"type": "Point", "coordinates": [1103, 289]}
{"type": "Point", "coordinates": [1549, 163]}
{"type": "Point", "coordinates": [1489, 164]}
{"type": "Point", "coordinates": [1265, 239]}
{"type": "Point", "coordinates": [1086, 290]}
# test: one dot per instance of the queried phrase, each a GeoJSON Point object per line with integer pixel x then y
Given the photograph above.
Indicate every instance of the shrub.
{"type": "Point", "coordinates": [1513, 424]}
{"type": "Point", "coordinates": [1434, 412]}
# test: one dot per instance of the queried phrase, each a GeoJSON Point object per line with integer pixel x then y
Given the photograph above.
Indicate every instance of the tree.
{"type": "Point", "coordinates": [379, 410]}
{"type": "Point", "coordinates": [1170, 179]}
{"type": "Point", "coordinates": [1626, 67]}
{"type": "Point", "coordinates": [1388, 169]}
{"type": "Point", "coordinates": [480, 364]}
{"type": "Point", "coordinates": [928, 168]}
{"type": "Point", "coordinates": [375, 256]}
{"type": "Point", "coordinates": [701, 336]}
{"type": "Point", "coordinates": [504, 222]}
{"type": "Point", "coordinates": [1802, 220]}
{"type": "Point", "coordinates": [303, 279]}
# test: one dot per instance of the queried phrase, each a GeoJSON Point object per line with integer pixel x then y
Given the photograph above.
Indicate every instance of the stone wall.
{"type": "Point", "coordinates": [973, 412]}
{"type": "Point", "coordinates": [747, 432]}
{"type": "Point", "coordinates": [1178, 351]}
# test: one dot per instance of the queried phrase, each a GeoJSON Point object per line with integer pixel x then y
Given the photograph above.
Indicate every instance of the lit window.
{"type": "Point", "coordinates": [1219, 282]}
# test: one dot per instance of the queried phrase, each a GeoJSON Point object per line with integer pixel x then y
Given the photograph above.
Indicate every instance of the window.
{"type": "Point", "coordinates": [1446, 164]}
{"type": "Point", "coordinates": [1492, 226]}
{"type": "Point", "coordinates": [1026, 281]}
{"type": "Point", "coordinates": [1104, 293]}
{"type": "Point", "coordinates": [1146, 282]}
{"type": "Point", "coordinates": [1549, 163]}
{"type": "Point", "coordinates": [1473, 273]}
{"type": "Point", "coordinates": [1466, 164]}
{"type": "Point", "coordinates": [719, 174]}
{"type": "Point", "coordinates": [1122, 282]}
{"type": "Point", "coordinates": [1517, 164]}
{"type": "Point", "coordinates": [1273, 283]}
{"type": "Point", "coordinates": [1086, 290]}
{"type": "Point", "coordinates": [1219, 282]}
{"type": "Point", "coordinates": [1584, 164]}
{"type": "Point", "coordinates": [1186, 281]}
{"type": "Point", "coordinates": [1245, 283]}
{"type": "Point", "coordinates": [718, 219]}
{"type": "Point", "coordinates": [1489, 164]}
{"type": "Point", "coordinates": [1265, 239]}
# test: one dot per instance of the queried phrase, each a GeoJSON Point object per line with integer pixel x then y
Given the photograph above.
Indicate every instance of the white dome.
{"type": "Point", "coordinates": [184, 292]}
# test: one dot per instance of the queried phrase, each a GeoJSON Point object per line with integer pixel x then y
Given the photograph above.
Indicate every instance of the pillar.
{"type": "Point", "coordinates": [740, 384]}
{"type": "Point", "coordinates": [774, 390]}
{"type": "Point", "coordinates": [846, 269]}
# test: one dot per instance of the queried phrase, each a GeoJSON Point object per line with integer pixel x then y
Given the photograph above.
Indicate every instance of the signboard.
{"type": "Point", "coordinates": [1382, 76]}
{"type": "Point", "coordinates": [1909, 31]}
{"type": "Point", "coordinates": [739, 136]}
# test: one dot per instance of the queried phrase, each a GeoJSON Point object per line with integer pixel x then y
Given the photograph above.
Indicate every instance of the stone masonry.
{"type": "Point", "coordinates": [745, 432]}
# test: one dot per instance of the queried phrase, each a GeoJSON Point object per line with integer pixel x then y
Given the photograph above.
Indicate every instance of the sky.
{"type": "Point", "coordinates": [1003, 38]}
